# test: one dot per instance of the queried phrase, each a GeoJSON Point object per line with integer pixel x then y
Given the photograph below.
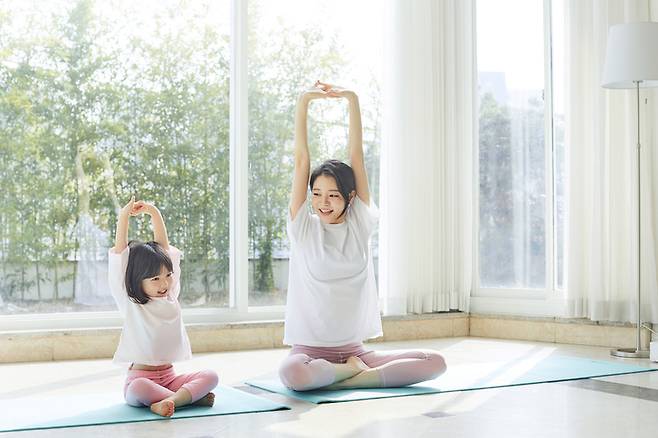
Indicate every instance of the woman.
{"type": "Point", "coordinates": [332, 297]}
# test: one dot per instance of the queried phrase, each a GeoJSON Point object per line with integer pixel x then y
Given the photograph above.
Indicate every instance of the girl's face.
{"type": "Point", "coordinates": [326, 200]}
{"type": "Point", "coordinates": [158, 286]}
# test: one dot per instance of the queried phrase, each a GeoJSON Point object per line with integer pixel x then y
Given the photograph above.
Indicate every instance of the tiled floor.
{"type": "Point", "coordinates": [621, 406]}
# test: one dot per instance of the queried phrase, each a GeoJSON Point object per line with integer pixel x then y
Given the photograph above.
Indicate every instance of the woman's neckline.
{"type": "Point", "coordinates": [334, 226]}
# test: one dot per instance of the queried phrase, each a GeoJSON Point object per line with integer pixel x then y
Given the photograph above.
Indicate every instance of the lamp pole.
{"type": "Point", "coordinates": [638, 352]}
{"type": "Point", "coordinates": [631, 62]}
{"type": "Point", "coordinates": [639, 225]}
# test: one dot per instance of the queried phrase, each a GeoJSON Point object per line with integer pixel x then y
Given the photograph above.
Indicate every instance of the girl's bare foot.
{"type": "Point", "coordinates": [164, 408]}
{"type": "Point", "coordinates": [207, 400]}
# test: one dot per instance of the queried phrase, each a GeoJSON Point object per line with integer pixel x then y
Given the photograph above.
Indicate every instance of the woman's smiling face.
{"type": "Point", "coordinates": [326, 200]}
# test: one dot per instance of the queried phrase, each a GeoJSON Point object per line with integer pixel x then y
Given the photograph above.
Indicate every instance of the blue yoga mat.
{"type": "Point", "coordinates": [94, 409]}
{"type": "Point", "coordinates": [468, 377]}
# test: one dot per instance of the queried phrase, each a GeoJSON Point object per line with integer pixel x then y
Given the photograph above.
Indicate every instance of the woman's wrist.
{"type": "Point", "coordinates": [351, 96]}
{"type": "Point", "coordinates": [308, 95]}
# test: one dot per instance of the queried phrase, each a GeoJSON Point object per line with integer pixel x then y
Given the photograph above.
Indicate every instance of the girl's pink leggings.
{"type": "Point", "coordinates": [143, 388]}
{"type": "Point", "coordinates": [309, 368]}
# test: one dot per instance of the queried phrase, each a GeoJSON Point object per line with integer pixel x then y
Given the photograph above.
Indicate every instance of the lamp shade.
{"type": "Point", "coordinates": [631, 55]}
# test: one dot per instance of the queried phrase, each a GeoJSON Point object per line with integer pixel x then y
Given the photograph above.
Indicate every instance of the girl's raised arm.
{"type": "Point", "coordinates": [121, 237]}
{"type": "Point", "coordinates": [302, 156]}
{"type": "Point", "coordinates": [157, 222]}
{"type": "Point", "coordinates": [133, 208]}
{"type": "Point", "coordinates": [159, 228]}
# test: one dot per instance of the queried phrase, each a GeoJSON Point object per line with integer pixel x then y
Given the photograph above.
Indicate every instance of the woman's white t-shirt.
{"type": "Point", "coordinates": [332, 294]}
{"type": "Point", "coordinates": [153, 333]}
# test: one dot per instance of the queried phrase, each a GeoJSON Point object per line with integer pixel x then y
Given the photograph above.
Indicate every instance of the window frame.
{"type": "Point", "coordinates": [549, 301]}
{"type": "Point", "coordinates": [238, 309]}
{"type": "Point", "coordinates": [530, 302]}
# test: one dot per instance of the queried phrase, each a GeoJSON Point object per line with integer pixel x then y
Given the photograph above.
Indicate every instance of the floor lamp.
{"type": "Point", "coordinates": [631, 61]}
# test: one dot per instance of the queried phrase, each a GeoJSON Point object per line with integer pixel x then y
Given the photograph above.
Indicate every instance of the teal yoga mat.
{"type": "Point", "coordinates": [94, 409]}
{"type": "Point", "coordinates": [468, 377]}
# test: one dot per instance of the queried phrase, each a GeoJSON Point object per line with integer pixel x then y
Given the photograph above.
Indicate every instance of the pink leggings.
{"type": "Point", "coordinates": [143, 388]}
{"type": "Point", "coordinates": [308, 368]}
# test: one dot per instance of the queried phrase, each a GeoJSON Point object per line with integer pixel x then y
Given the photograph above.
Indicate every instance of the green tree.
{"type": "Point", "coordinates": [495, 191]}
{"type": "Point", "coordinates": [100, 101]}
{"type": "Point", "coordinates": [83, 129]}
{"type": "Point", "coordinates": [280, 67]}
{"type": "Point", "coordinates": [512, 173]}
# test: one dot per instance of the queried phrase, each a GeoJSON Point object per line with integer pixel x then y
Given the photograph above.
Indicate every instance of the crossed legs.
{"type": "Point", "coordinates": [373, 369]}
{"type": "Point", "coordinates": [164, 393]}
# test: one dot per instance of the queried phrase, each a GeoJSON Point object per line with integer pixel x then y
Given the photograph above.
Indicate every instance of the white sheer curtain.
{"type": "Point", "coordinates": [426, 236]}
{"type": "Point", "coordinates": [601, 137]}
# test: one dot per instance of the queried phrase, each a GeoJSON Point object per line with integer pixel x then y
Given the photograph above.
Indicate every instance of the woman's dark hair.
{"type": "Point", "coordinates": [342, 173]}
{"type": "Point", "coordinates": [145, 260]}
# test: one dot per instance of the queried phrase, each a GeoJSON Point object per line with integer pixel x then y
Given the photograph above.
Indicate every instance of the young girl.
{"type": "Point", "coordinates": [332, 297]}
{"type": "Point", "coordinates": [145, 282]}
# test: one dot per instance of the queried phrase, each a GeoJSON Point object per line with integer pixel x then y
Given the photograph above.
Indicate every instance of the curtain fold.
{"type": "Point", "coordinates": [426, 237]}
{"type": "Point", "coordinates": [601, 138]}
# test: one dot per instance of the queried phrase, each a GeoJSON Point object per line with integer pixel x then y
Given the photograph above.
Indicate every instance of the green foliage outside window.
{"type": "Point", "coordinates": [96, 105]}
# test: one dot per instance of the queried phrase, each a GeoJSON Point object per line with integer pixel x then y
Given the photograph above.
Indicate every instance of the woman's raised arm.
{"type": "Point", "coordinates": [355, 138]}
{"type": "Point", "coordinates": [302, 157]}
{"type": "Point", "coordinates": [355, 145]}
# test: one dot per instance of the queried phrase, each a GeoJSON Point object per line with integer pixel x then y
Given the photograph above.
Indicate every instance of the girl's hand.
{"type": "Point", "coordinates": [140, 207]}
{"type": "Point", "coordinates": [127, 209]}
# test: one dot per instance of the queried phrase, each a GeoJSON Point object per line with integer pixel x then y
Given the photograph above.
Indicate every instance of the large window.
{"type": "Point", "coordinates": [100, 100]}
{"type": "Point", "coordinates": [291, 44]}
{"type": "Point", "coordinates": [521, 147]}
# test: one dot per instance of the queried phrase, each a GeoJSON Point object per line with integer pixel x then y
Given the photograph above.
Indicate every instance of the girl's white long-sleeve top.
{"type": "Point", "coordinates": [153, 333]}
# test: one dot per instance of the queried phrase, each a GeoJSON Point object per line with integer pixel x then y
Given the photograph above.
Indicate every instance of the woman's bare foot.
{"type": "Point", "coordinates": [368, 378]}
{"type": "Point", "coordinates": [352, 368]}
{"type": "Point", "coordinates": [207, 400]}
{"type": "Point", "coordinates": [164, 408]}
{"type": "Point", "coordinates": [357, 363]}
